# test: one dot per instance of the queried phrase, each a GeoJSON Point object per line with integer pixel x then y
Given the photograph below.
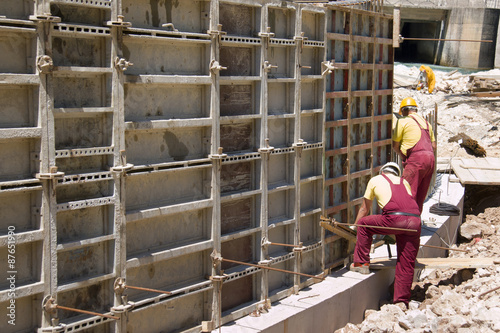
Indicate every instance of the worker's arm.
{"type": "Point", "coordinates": [364, 209]}
{"type": "Point", "coordinates": [397, 148]}
{"type": "Point", "coordinates": [434, 146]}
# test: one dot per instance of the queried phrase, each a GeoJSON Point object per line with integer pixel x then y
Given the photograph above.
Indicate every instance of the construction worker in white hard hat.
{"type": "Point", "coordinates": [426, 78]}
{"type": "Point", "coordinates": [399, 210]}
{"type": "Point", "coordinates": [413, 139]}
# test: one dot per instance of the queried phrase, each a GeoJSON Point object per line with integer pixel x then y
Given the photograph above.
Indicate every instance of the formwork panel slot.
{"type": "Point", "coordinates": [281, 97]}
{"type": "Point", "coordinates": [280, 210]}
{"type": "Point", "coordinates": [27, 314]}
{"type": "Point", "coordinates": [17, 211]}
{"type": "Point", "coordinates": [309, 196]}
{"type": "Point", "coordinates": [16, 159]}
{"type": "Point", "coordinates": [177, 315]}
{"type": "Point", "coordinates": [144, 147]}
{"type": "Point", "coordinates": [237, 215]}
{"type": "Point", "coordinates": [85, 52]}
{"type": "Point", "coordinates": [16, 56]}
{"type": "Point", "coordinates": [104, 4]}
{"type": "Point", "coordinates": [66, 30]}
{"type": "Point", "coordinates": [310, 163]}
{"type": "Point", "coordinates": [284, 58]}
{"type": "Point", "coordinates": [239, 100]}
{"type": "Point", "coordinates": [166, 102]}
{"type": "Point", "coordinates": [237, 177]}
{"type": "Point", "coordinates": [173, 187]}
{"type": "Point", "coordinates": [164, 232]}
{"type": "Point", "coordinates": [83, 136]}
{"type": "Point", "coordinates": [97, 297]}
{"type": "Point", "coordinates": [239, 136]}
{"type": "Point", "coordinates": [280, 169]}
{"type": "Point", "coordinates": [83, 164]}
{"type": "Point", "coordinates": [282, 22]}
{"type": "Point", "coordinates": [240, 249]}
{"type": "Point", "coordinates": [187, 16]}
{"type": "Point", "coordinates": [311, 57]}
{"type": "Point", "coordinates": [313, 25]}
{"type": "Point", "coordinates": [167, 274]}
{"type": "Point", "coordinates": [74, 225]}
{"type": "Point", "coordinates": [81, 92]}
{"type": "Point", "coordinates": [91, 190]}
{"type": "Point", "coordinates": [89, 261]}
{"type": "Point", "coordinates": [282, 132]}
{"type": "Point", "coordinates": [16, 9]}
{"type": "Point", "coordinates": [25, 267]}
{"type": "Point", "coordinates": [237, 292]}
{"type": "Point", "coordinates": [279, 280]}
{"type": "Point", "coordinates": [17, 108]}
{"type": "Point", "coordinates": [78, 14]}
{"type": "Point", "coordinates": [240, 61]}
{"type": "Point", "coordinates": [239, 20]}
{"type": "Point", "coordinates": [311, 126]}
{"type": "Point", "coordinates": [161, 58]}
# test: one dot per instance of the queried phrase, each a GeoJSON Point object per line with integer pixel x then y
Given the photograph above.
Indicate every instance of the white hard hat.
{"type": "Point", "coordinates": [391, 167]}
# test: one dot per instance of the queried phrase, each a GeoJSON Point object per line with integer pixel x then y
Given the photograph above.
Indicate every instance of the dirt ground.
{"type": "Point", "coordinates": [452, 300]}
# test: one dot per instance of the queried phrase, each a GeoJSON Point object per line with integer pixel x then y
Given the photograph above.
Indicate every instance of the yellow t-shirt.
{"type": "Point", "coordinates": [378, 188]}
{"type": "Point", "coordinates": [408, 132]}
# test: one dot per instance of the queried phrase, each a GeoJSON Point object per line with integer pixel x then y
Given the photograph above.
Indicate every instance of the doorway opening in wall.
{"type": "Point", "coordinates": [419, 51]}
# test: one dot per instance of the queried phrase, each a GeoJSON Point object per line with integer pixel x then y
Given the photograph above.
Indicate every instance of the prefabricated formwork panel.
{"type": "Point", "coordinates": [359, 111]}
{"type": "Point", "coordinates": [165, 163]}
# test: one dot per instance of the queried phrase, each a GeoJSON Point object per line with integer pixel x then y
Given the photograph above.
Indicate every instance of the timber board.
{"type": "Point", "coordinates": [479, 171]}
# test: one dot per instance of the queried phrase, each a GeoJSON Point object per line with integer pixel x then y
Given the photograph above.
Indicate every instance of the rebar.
{"type": "Point", "coordinates": [86, 312]}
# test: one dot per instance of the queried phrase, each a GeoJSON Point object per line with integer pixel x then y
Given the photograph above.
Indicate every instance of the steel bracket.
{"type": "Point", "coordinates": [44, 64]}
{"type": "Point", "coordinates": [122, 64]}
{"type": "Point", "coordinates": [327, 67]}
{"type": "Point", "coordinates": [218, 156]}
{"type": "Point", "coordinates": [267, 149]}
{"type": "Point", "coordinates": [169, 25]}
{"type": "Point", "coordinates": [45, 18]}
{"type": "Point", "coordinates": [122, 308]}
{"type": "Point", "coordinates": [118, 23]}
{"type": "Point", "coordinates": [301, 143]}
{"type": "Point", "coordinates": [267, 34]}
{"type": "Point", "coordinates": [267, 66]}
{"type": "Point", "coordinates": [215, 67]}
{"type": "Point", "coordinates": [53, 174]}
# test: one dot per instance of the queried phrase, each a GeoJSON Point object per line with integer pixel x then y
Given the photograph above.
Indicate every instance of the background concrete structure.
{"type": "Point", "coordinates": [144, 142]}
{"type": "Point", "coordinates": [450, 20]}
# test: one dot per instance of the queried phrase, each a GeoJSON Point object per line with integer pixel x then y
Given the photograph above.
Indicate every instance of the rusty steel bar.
{"type": "Point", "coordinates": [489, 291]}
{"type": "Point", "coordinates": [149, 289]}
{"type": "Point", "coordinates": [449, 40]}
{"type": "Point", "coordinates": [86, 312]}
{"type": "Point", "coordinates": [280, 244]}
{"type": "Point", "coordinates": [367, 226]}
{"type": "Point", "coordinates": [442, 248]}
{"type": "Point", "coordinates": [270, 268]}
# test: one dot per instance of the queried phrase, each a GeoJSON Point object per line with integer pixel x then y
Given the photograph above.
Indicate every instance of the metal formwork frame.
{"type": "Point", "coordinates": [285, 160]}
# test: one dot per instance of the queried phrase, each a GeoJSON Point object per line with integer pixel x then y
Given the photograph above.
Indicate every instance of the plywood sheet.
{"type": "Point", "coordinates": [442, 263]}
{"type": "Point", "coordinates": [480, 171]}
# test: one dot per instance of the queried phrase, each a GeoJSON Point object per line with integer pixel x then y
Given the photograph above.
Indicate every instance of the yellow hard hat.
{"type": "Point", "coordinates": [408, 101]}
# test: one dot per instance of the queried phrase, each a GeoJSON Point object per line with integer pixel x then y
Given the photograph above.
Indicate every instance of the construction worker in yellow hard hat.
{"type": "Point", "coordinates": [413, 139]}
{"type": "Point", "coordinates": [400, 210]}
{"type": "Point", "coordinates": [425, 78]}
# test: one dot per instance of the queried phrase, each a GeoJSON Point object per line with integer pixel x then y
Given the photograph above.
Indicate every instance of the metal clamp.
{"type": "Point", "coordinates": [215, 67]}
{"type": "Point", "coordinates": [301, 143]}
{"type": "Point", "coordinates": [170, 25]}
{"type": "Point", "coordinates": [122, 64]}
{"type": "Point", "coordinates": [118, 23]}
{"type": "Point", "coordinates": [328, 67]}
{"type": "Point", "coordinates": [268, 66]}
{"type": "Point", "coordinates": [45, 18]}
{"type": "Point", "coordinates": [53, 174]}
{"type": "Point", "coordinates": [218, 156]}
{"type": "Point", "coordinates": [217, 33]}
{"type": "Point", "coordinates": [44, 64]}
{"type": "Point", "coordinates": [266, 149]}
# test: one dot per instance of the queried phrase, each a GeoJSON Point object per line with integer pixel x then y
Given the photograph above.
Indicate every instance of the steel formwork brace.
{"type": "Point", "coordinates": [50, 306]}
{"type": "Point", "coordinates": [120, 286]}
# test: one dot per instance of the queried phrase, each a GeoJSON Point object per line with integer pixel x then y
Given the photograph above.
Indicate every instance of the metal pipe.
{"type": "Point", "coordinates": [442, 248]}
{"type": "Point", "coordinates": [280, 244]}
{"type": "Point", "coordinates": [368, 226]}
{"type": "Point", "coordinates": [448, 40]}
{"type": "Point", "coordinates": [270, 268]}
{"type": "Point", "coordinates": [86, 312]}
{"type": "Point", "coordinates": [149, 289]}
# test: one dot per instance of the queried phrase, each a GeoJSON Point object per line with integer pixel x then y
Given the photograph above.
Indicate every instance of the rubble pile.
{"type": "Point", "coordinates": [459, 111]}
{"type": "Point", "coordinates": [449, 300]}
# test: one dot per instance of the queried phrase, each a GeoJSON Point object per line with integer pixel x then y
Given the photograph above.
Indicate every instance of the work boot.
{"type": "Point", "coordinates": [363, 268]}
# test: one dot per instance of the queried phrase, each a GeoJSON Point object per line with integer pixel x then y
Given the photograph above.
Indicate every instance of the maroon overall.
{"type": "Point", "coordinates": [407, 242]}
{"type": "Point", "coordinates": [419, 166]}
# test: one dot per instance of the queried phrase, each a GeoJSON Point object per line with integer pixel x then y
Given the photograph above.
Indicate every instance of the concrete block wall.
{"type": "Point", "coordinates": [144, 142]}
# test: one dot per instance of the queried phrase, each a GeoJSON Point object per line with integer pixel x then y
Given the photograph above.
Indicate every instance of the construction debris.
{"type": "Point", "coordinates": [449, 300]}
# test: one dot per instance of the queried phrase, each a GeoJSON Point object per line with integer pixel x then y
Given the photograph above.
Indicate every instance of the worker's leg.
{"type": "Point", "coordinates": [425, 176]}
{"type": "Point", "coordinates": [364, 238]}
{"type": "Point", "coordinates": [407, 247]}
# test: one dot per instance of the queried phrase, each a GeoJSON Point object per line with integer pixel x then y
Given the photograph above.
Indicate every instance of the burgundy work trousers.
{"type": "Point", "coordinates": [418, 170]}
{"type": "Point", "coordinates": [407, 243]}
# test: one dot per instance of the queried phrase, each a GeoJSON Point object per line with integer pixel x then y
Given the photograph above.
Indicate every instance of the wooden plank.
{"type": "Point", "coordinates": [441, 263]}
{"type": "Point", "coordinates": [485, 171]}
